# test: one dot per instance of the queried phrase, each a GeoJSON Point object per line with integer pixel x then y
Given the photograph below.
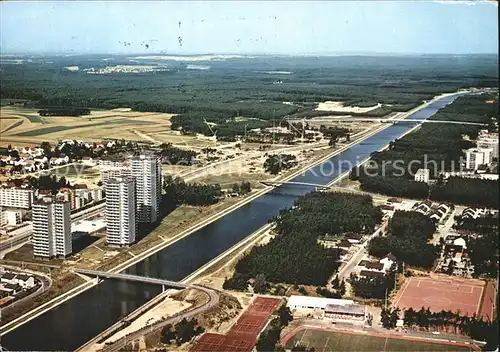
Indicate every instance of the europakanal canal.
{"type": "Point", "coordinates": [79, 319]}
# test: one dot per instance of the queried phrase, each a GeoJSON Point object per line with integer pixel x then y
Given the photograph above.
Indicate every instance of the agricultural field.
{"type": "Point", "coordinates": [336, 341]}
{"type": "Point", "coordinates": [23, 126]}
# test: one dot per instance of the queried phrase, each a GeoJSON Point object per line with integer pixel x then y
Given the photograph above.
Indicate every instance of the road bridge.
{"type": "Point", "coordinates": [277, 183]}
{"type": "Point", "coordinates": [129, 277]}
{"type": "Point", "coordinates": [213, 300]}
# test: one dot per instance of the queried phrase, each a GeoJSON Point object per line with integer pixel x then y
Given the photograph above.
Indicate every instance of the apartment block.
{"type": "Point", "coordinates": [114, 172]}
{"type": "Point", "coordinates": [475, 157]}
{"type": "Point", "coordinates": [146, 171]}
{"type": "Point", "coordinates": [16, 197]}
{"type": "Point", "coordinates": [51, 228]}
{"type": "Point", "coordinates": [121, 211]}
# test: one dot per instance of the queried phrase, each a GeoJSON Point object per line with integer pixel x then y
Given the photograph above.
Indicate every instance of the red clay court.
{"type": "Point", "coordinates": [441, 293]}
{"type": "Point", "coordinates": [243, 334]}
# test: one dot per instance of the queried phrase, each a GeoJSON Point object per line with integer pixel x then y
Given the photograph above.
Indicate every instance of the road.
{"type": "Point", "coordinates": [346, 270]}
{"type": "Point", "coordinates": [389, 120]}
{"type": "Point", "coordinates": [213, 300]}
{"type": "Point", "coordinates": [25, 233]}
{"type": "Point", "coordinates": [46, 283]}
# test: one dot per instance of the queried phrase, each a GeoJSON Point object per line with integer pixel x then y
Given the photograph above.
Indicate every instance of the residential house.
{"type": "Point", "coordinates": [8, 278]}
{"type": "Point", "coordinates": [371, 266]}
{"type": "Point", "coordinates": [370, 274]}
{"type": "Point", "coordinates": [388, 261]}
{"type": "Point", "coordinates": [25, 281]}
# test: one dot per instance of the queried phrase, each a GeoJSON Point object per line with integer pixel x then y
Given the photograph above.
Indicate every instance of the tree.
{"type": "Point", "coordinates": [260, 284]}
{"type": "Point", "coordinates": [245, 187]}
{"type": "Point", "coordinates": [285, 315]}
{"type": "Point", "coordinates": [235, 188]}
{"type": "Point", "coordinates": [342, 287]}
{"type": "Point", "coordinates": [335, 282]}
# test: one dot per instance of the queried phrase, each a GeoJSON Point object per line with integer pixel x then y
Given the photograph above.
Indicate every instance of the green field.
{"type": "Point", "coordinates": [335, 341]}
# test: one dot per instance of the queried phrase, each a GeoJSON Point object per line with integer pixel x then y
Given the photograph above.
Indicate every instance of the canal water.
{"type": "Point", "coordinates": [79, 319]}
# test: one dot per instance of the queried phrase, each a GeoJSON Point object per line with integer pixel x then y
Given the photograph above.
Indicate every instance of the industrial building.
{"type": "Point", "coordinates": [121, 211]}
{"type": "Point", "coordinates": [51, 228]}
{"type": "Point", "coordinates": [146, 170]}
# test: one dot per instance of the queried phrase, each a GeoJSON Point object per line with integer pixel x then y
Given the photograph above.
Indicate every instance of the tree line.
{"type": "Point", "coordinates": [176, 156]}
{"type": "Point", "coordinates": [64, 112]}
{"type": "Point", "coordinates": [473, 326]}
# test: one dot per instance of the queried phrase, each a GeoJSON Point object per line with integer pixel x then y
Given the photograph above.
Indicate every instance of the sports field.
{"type": "Point", "coordinates": [441, 293]}
{"type": "Point", "coordinates": [243, 334]}
{"type": "Point", "coordinates": [322, 340]}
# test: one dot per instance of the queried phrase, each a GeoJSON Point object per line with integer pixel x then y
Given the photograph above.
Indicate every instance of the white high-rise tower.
{"type": "Point", "coordinates": [146, 171]}
{"type": "Point", "coordinates": [51, 228]}
{"type": "Point", "coordinates": [120, 211]}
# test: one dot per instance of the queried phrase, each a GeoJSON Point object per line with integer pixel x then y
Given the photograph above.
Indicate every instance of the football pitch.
{"type": "Point", "coordinates": [336, 341]}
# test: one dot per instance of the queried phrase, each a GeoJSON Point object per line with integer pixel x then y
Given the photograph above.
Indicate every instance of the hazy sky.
{"type": "Point", "coordinates": [249, 27]}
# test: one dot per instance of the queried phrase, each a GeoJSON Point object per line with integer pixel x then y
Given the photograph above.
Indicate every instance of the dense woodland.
{"type": "Point", "coordinates": [473, 192]}
{"type": "Point", "coordinates": [238, 92]}
{"type": "Point", "coordinates": [439, 147]}
{"type": "Point", "coordinates": [294, 256]}
{"type": "Point", "coordinates": [178, 192]}
{"type": "Point", "coordinates": [407, 239]}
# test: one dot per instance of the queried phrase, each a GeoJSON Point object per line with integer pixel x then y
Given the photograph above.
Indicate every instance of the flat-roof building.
{"type": "Point", "coordinates": [16, 197]}
{"type": "Point", "coordinates": [121, 221]}
{"type": "Point", "coordinates": [146, 170]}
{"type": "Point", "coordinates": [51, 228]}
{"type": "Point", "coordinates": [318, 303]}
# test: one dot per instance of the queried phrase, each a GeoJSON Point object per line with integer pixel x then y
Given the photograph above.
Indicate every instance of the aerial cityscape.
{"type": "Point", "coordinates": [249, 176]}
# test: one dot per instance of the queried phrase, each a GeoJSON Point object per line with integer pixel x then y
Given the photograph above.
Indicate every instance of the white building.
{"type": "Point", "coordinates": [146, 171]}
{"type": "Point", "coordinates": [10, 217]}
{"type": "Point", "coordinates": [489, 140]}
{"type": "Point", "coordinates": [51, 228]}
{"type": "Point", "coordinates": [422, 175]}
{"type": "Point", "coordinates": [114, 172]}
{"type": "Point", "coordinates": [315, 303]}
{"type": "Point", "coordinates": [475, 157]}
{"type": "Point", "coordinates": [16, 197]}
{"type": "Point", "coordinates": [121, 211]}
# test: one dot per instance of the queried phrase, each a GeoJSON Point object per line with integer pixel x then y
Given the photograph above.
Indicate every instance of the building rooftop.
{"type": "Point", "coordinates": [8, 276]}
{"type": "Point", "coordinates": [345, 309]}
{"type": "Point", "coordinates": [369, 273]}
{"type": "Point", "coordinates": [307, 301]}
{"type": "Point", "coordinates": [371, 265]}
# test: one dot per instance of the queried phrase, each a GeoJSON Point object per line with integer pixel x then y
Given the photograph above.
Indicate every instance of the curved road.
{"type": "Point", "coordinates": [121, 343]}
